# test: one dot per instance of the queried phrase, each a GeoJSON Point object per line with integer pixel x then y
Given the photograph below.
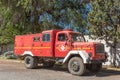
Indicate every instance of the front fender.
{"type": "Point", "coordinates": [85, 57]}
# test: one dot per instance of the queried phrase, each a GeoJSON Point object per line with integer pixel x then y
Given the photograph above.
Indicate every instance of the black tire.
{"type": "Point", "coordinates": [76, 66]}
{"type": "Point", "coordinates": [95, 67]}
{"type": "Point", "coordinates": [31, 62]}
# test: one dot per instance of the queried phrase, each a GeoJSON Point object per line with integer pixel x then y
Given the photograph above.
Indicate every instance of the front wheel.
{"type": "Point", "coordinates": [31, 62]}
{"type": "Point", "coordinates": [76, 66]}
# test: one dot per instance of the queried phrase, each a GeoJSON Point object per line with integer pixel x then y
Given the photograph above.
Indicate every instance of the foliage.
{"type": "Point", "coordinates": [33, 16]}
{"type": "Point", "coordinates": [8, 55]}
{"type": "Point", "coordinates": [104, 20]}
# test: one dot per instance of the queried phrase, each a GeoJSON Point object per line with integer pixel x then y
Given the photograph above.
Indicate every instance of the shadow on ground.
{"type": "Point", "coordinates": [106, 72]}
{"type": "Point", "coordinates": [102, 73]}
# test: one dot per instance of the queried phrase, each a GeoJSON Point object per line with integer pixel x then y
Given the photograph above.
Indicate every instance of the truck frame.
{"type": "Point", "coordinates": [60, 46]}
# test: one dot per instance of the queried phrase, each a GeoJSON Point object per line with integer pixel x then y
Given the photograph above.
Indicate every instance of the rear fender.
{"type": "Point", "coordinates": [27, 53]}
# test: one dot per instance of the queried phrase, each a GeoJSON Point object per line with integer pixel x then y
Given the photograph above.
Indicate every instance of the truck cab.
{"type": "Point", "coordinates": [60, 46]}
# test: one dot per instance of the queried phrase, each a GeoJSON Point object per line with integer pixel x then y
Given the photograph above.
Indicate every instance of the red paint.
{"type": "Point", "coordinates": [53, 47]}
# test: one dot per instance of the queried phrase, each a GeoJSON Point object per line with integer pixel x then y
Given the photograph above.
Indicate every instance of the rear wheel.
{"type": "Point", "coordinates": [31, 62]}
{"type": "Point", "coordinates": [76, 66]}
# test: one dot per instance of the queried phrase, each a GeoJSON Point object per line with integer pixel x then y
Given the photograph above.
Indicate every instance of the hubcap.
{"type": "Point", "coordinates": [28, 61]}
{"type": "Point", "coordinates": [75, 66]}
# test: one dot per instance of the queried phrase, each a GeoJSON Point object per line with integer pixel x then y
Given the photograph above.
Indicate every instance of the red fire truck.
{"type": "Point", "coordinates": [60, 46]}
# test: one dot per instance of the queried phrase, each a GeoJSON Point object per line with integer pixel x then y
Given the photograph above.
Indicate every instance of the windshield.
{"type": "Point", "coordinates": [76, 37]}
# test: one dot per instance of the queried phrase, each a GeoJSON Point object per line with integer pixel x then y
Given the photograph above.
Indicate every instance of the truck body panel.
{"type": "Point", "coordinates": [29, 42]}
{"type": "Point", "coordinates": [60, 46]}
{"type": "Point", "coordinates": [39, 44]}
{"type": "Point", "coordinates": [51, 43]}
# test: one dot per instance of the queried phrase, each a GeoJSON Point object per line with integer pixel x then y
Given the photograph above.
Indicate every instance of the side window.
{"type": "Point", "coordinates": [62, 37]}
{"type": "Point", "coordinates": [36, 39]}
{"type": "Point", "coordinates": [46, 37]}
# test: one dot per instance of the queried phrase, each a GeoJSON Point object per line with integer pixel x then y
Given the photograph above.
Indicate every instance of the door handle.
{"type": "Point", "coordinates": [41, 44]}
{"type": "Point", "coordinates": [57, 45]}
{"type": "Point", "coordinates": [32, 44]}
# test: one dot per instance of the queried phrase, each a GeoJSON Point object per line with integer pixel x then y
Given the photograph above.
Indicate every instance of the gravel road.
{"type": "Point", "coordinates": [15, 70]}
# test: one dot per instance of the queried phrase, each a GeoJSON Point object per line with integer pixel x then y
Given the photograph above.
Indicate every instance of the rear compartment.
{"type": "Point", "coordinates": [29, 42]}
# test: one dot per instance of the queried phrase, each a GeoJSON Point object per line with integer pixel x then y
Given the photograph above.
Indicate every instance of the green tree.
{"type": "Point", "coordinates": [9, 23]}
{"type": "Point", "coordinates": [23, 16]}
{"type": "Point", "coordinates": [66, 12]}
{"type": "Point", "coordinates": [104, 20]}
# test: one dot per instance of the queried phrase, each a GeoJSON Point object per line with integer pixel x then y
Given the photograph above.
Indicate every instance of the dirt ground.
{"type": "Point", "coordinates": [15, 70]}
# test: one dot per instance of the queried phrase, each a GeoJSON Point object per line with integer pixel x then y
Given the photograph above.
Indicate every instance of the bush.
{"type": "Point", "coordinates": [8, 55]}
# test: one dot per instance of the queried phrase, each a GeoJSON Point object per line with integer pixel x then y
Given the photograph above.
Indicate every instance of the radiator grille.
{"type": "Point", "coordinates": [99, 48]}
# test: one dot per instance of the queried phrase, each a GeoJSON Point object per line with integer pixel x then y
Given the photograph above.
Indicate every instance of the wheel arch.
{"type": "Point", "coordinates": [82, 54]}
{"type": "Point", "coordinates": [27, 53]}
{"type": "Point", "coordinates": [71, 56]}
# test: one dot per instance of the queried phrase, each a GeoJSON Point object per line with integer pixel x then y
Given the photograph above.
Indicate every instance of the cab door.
{"type": "Point", "coordinates": [62, 45]}
{"type": "Point", "coordinates": [46, 45]}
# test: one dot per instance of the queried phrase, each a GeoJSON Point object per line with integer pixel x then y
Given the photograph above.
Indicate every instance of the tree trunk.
{"type": "Point", "coordinates": [114, 53]}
